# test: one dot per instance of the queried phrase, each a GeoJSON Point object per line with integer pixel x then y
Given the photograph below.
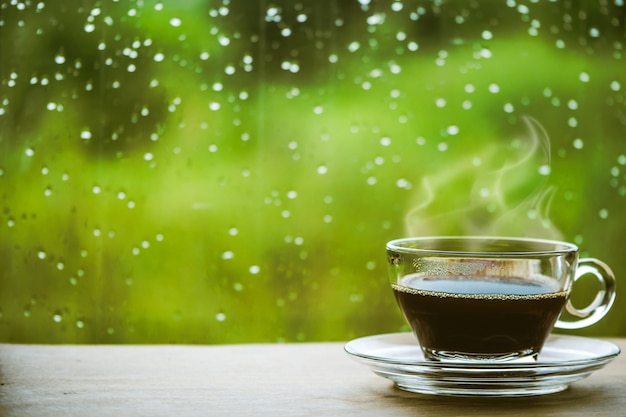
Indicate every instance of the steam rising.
{"type": "Point", "coordinates": [502, 191]}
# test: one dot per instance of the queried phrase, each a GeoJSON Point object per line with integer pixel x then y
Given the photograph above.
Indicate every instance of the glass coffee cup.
{"type": "Point", "coordinates": [491, 298]}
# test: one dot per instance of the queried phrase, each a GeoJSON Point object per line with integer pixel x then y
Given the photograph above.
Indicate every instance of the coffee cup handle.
{"type": "Point", "coordinates": [602, 302]}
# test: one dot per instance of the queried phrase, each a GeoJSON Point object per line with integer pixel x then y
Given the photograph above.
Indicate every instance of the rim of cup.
{"type": "Point", "coordinates": [519, 246]}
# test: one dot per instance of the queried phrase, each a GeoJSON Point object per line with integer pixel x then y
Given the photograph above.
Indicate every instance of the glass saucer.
{"type": "Point", "coordinates": [563, 360]}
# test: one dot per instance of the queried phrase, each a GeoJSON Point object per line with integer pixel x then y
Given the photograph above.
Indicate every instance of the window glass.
{"type": "Point", "coordinates": [224, 171]}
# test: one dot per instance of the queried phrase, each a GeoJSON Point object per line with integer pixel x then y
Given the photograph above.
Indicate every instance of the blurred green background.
{"type": "Point", "coordinates": [228, 171]}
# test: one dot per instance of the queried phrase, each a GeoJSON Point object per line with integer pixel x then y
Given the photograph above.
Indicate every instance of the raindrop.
{"type": "Point", "coordinates": [485, 53]}
{"type": "Point", "coordinates": [223, 40]}
{"type": "Point", "coordinates": [603, 213]}
{"type": "Point", "coordinates": [572, 104]}
{"type": "Point", "coordinates": [404, 184]}
{"type": "Point", "coordinates": [453, 130]}
{"type": "Point", "coordinates": [353, 46]}
{"type": "Point", "coordinates": [494, 88]}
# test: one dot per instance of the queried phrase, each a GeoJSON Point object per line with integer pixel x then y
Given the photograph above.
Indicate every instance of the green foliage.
{"type": "Point", "coordinates": [194, 172]}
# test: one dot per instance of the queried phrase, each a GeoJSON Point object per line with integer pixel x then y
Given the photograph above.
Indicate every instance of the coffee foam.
{"type": "Point", "coordinates": [501, 297]}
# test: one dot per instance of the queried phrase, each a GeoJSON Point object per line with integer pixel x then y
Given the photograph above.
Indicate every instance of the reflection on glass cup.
{"type": "Point", "coordinates": [491, 298]}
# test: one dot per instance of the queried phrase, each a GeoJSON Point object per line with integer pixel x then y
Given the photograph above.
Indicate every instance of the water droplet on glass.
{"type": "Point", "coordinates": [603, 213]}
{"type": "Point", "coordinates": [453, 130]}
{"type": "Point", "coordinates": [578, 143]}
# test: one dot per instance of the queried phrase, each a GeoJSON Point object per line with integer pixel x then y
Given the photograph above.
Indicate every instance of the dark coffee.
{"type": "Point", "coordinates": [480, 316]}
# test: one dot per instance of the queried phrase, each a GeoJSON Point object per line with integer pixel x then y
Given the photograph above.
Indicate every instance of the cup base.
{"type": "Point", "coordinates": [523, 356]}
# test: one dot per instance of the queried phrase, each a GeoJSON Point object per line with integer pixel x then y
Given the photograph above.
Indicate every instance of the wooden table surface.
{"type": "Point", "coordinates": [309, 379]}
